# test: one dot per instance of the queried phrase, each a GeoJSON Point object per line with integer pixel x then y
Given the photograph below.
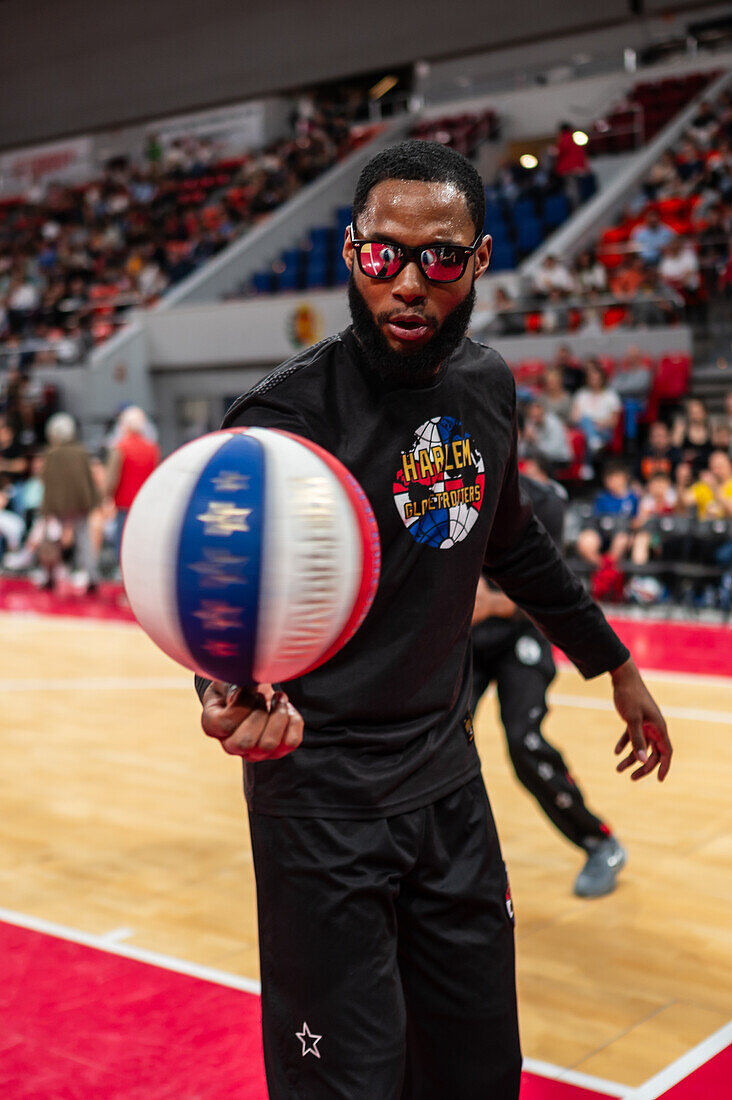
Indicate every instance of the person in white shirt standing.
{"type": "Point", "coordinates": [596, 408]}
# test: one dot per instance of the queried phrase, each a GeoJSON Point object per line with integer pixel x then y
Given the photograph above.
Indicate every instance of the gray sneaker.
{"type": "Point", "coordinates": [598, 875]}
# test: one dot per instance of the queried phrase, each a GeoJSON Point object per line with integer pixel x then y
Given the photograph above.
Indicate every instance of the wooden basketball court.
{"type": "Point", "coordinates": [122, 823]}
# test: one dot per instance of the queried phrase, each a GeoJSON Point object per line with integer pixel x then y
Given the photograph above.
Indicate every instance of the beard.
{"type": "Point", "coordinates": [413, 368]}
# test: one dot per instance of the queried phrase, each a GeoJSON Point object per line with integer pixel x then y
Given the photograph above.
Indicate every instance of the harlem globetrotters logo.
{"type": "Point", "coordinates": [439, 487]}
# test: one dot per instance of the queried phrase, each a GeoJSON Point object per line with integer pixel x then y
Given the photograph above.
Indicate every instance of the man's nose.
{"type": "Point", "coordinates": [409, 285]}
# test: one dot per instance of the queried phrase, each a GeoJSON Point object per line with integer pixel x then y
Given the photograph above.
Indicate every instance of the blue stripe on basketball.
{"type": "Point", "coordinates": [219, 561]}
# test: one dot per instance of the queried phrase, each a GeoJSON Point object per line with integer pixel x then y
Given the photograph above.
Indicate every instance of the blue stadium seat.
{"type": "Point", "coordinates": [493, 214]}
{"type": "Point", "coordinates": [556, 209]}
{"type": "Point", "coordinates": [262, 282]}
{"type": "Point", "coordinates": [503, 257]}
{"type": "Point", "coordinates": [322, 237]}
{"type": "Point", "coordinates": [528, 235]}
{"type": "Point", "coordinates": [316, 277]}
{"type": "Point", "coordinates": [291, 258]}
{"type": "Point", "coordinates": [289, 279]}
{"type": "Point", "coordinates": [317, 253]}
{"type": "Point", "coordinates": [343, 216]}
{"type": "Point", "coordinates": [499, 231]}
{"type": "Point", "coordinates": [317, 269]}
{"type": "Point", "coordinates": [524, 210]}
{"type": "Point", "coordinates": [587, 187]}
{"type": "Point", "coordinates": [340, 272]}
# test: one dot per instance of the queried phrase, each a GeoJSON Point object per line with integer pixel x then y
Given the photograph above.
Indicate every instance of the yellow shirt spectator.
{"type": "Point", "coordinates": [707, 502]}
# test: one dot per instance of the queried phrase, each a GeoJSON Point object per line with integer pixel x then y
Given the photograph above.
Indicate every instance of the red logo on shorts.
{"type": "Point", "coordinates": [509, 901]}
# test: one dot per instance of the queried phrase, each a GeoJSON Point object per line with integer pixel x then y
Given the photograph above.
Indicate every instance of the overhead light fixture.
{"type": "Point", "coordinates": [528, 160]}
{"type": "Point", "coordinates": [383, 86]}
{"type": "Point", "coordinates": [580, 137]}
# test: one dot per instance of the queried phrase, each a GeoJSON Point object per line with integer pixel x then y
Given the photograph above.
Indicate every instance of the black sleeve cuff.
{"type": "Point", "coordinates": [201, 683]}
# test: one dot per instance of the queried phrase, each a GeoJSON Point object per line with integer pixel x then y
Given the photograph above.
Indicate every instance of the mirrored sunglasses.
{"type": "Point", "coordinates": [440, 263]}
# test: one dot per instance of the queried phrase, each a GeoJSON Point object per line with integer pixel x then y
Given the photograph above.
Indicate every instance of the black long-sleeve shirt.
{"type": "Point", "coordinates": [385, 719]}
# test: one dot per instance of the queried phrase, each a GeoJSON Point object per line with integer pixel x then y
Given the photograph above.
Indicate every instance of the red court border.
{"type": "Point", "coordinates": [82, 1021]}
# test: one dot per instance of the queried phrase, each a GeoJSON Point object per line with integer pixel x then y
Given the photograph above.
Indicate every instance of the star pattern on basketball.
{"type": "Point", "coordinates": [220, 568]}
{"type": "Point", "coordinates": [225, 518]}
{"type": "Point", "coordinates": [218, 648]}
{"type": "Point", "coordinates": [216, 615]}
{"type": "Point", "coordinates": [229, 481]}
{"type": "Point", "coordinates": [309, 1040]}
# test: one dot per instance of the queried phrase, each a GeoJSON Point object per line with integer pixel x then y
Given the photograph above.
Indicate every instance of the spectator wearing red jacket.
{"type": "Point", "coordinates": [132, 459]}
{"type": "Point", "coordinates": [571, 159]}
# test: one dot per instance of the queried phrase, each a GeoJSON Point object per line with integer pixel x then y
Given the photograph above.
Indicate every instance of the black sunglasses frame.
{"type": "Point", "coordinates": [413, 255]}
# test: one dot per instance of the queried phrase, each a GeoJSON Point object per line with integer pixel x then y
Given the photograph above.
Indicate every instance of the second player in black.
{"type": "Point", "coordinates": [510, 651]}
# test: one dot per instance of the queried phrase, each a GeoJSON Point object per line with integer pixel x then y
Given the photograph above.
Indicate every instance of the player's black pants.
{"type": "Point", "coordinates": [387, 955]}
{"type": "Point", "coordinates": [519, 659]}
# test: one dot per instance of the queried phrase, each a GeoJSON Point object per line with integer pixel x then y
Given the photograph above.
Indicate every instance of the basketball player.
{"type": "Point", "coordinates": [385, 920]}
{"type": "Point", "coordinates": [508, 649]}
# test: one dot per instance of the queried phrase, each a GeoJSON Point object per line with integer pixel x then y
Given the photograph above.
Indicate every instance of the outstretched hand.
{"type": "Point", "coordinates": [258, 724]}
{"type": "Point", "coordinates": [645, 734]}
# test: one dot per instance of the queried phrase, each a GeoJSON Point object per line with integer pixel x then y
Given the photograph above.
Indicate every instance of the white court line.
{"type": "Point", "coordinates": [663, 675]}
{"type": "Point", "coordinates": [683, 1066]}
{"type": "Point", "coordinates": [693, 678]}
{"type": "Point", "coordinates": [11, 620]}
{"type": "Point", "coordinates": [583, 702]}
{"type": "Point", "coordinates": [573, 1077]}
{"type": "Point", "coordinates": [183, 683]}
{"type": "Point", "coordinates": [116, 935]}
{"type": "Point", "coordinates": [695, 714]}
{"type": "Point", "coordinates": [139, 954]}
{"type": "Point", "coordinates": [101, 683]}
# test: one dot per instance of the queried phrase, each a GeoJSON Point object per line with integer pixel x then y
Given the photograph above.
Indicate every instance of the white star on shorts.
{"type": "Point", "coordinates": [309, 1041]}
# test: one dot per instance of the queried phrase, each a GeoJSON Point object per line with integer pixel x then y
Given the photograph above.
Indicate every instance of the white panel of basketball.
{"type": "Point", "coordinates": [151, 540]}
{"type": "Point", "coordinates": [311, 559]}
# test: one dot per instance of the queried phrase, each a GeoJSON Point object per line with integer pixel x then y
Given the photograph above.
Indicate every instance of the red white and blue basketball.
{"type": "Point", "coordinates": [251, 556]}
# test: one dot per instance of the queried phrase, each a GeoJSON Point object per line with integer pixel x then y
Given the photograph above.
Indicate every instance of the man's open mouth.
{"type": "Point", "coordinates": [408, 327]}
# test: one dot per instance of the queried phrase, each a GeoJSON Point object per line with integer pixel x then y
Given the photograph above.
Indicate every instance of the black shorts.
{"type": "Point", "coordinates": [387, 955]}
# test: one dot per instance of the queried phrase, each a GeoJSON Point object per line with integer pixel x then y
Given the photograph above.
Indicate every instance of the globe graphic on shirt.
{"type": "Point", "coordinates": [438, 489]}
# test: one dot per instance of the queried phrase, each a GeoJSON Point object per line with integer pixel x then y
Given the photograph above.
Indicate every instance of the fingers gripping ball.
{"type": "Point", "coordinates": [250, 556]}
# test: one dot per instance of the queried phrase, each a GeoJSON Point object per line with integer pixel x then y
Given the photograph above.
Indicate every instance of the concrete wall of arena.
{"type": "Point", "coordinates": [265, 330]}
{"type": "Point", "coordinates": [81, 65]}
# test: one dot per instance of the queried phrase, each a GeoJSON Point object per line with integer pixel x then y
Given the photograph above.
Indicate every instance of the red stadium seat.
{"type": "Point", "coordinates": [672, 377]}
{"type": "Point", "coordinates": [614, 316]}
{"type": "Point", "coordinates": [530, 371]}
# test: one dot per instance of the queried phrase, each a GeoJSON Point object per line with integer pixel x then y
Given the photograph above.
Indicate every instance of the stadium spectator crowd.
{"type": "Point", "coordinates": [75, 260]}
{"type": "Point", "coordinates": [62, 508]}
{"type": "Point", "coordinates": [653, 513]}
{"type": "Point", "coordinates": [669, 253]}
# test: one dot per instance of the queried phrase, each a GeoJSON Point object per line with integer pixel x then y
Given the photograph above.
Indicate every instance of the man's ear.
{"type": "Point", "coordinates": [347, 252]}
{"type": "Point", "coordinates": [483, 256]}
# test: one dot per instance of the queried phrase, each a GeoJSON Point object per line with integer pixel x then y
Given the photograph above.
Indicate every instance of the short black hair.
{"type": "Point", "coordinates": [614, 466]}
{"type": "Point", "coordinates": [428, 161]}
